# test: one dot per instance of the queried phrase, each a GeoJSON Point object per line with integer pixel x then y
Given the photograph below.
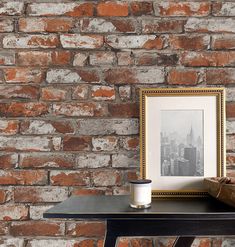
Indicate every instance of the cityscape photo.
{"type": "Point", "coordinates": [182, 146]}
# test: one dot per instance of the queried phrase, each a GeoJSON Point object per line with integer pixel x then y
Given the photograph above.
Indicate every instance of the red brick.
{"type": "Point", "coordinates": [106, 178]}
{"type": "Point", "coordinates": [182, 8]}
{"type": "Point", "coordinates": [124, 110]}
{"type": "Point", "coordinates": [132, 175]}
{"type": "Point", "coordinates": [208, 59]}
{"type": "Point", "coordinates": [16, 177]}
{"type": "Point", "coordinates": [70, 178]}
{"type": "Point", "coordinates": [220, 76]}
{"type": "Point", "coordinates": [30, 41]}
{"type": "Point", "coordinates": [103, 93]}
{"type": "Point", "coordinates": [39, 160]}
{"type": "Point", "coordinates": [40, 194]}
{"type": "Point", "coordinates": [88, 191]}
{"type": "Point", "coordinates": [141, 8]}
{"type": "Point", "coordinates": [151, 58]}
{"type": "Point", "coordinates": [13, 212]}
{"type": "Point", "coordinates": [68, 9]}
{"type": "Point", "coordinates": [80, 92]}
{"type": "Point", "coordinates": [6, 25]}
{"type": "Point", "coordinates": [41, 127]}
{"type": "Point", "coordinates": [102, 58]}
{"type": "Point", "coordinates": [9, 127]}
{"type": "Point", "coordinates": [85, 243]}
{"type": "Point", "coordinates": [86, 229]}
{"type": "Point", "coordinates": [31, 25]}
{"type": "Point", "coordinates": [4, 228]}
{"type": "Point", "coordinates": [91, 41]}
{"type": "Point", "coordinates": [125, 58]}
{"type": "Point", "coordinates": [230, 110]}
{"type": "Point", "coordinates": [91, 75]}
{"type": "Point", "coordinates": [19, 92]}
{"type": "Point", "coordinates": [20, 109]}
{"type": "Point", "coordinates": [37, 228]}
{"type": "Point", "coordinates": [54, 94]}
{"type": "Point", "coordinates": [77, 143]}
{"type": "Point", "coordinates": [141, 242]}
{"type": "Point", "coordinates": [8, 161]}
{"type": "Point", "coordinates": [123, 242]}
{"type": "Point", "coordinates": [23, 75]}
{"type": "Point", "coordinates": [183, 77]}
{"type": "Point", "coordinates": [41, 58]}
{"type": "Point", "coordinates": [189, 42]}
{"type": "Point", "coordinates": [131, 143]}
{"type": "Point", "coordinates": [11, 8]}
{"type": "Point", "coordinates": [223, 42]}
{"type": "Point", "coordinates": [162, 26]}
{"type": "Point", "coordinates": [3, 198]}
{"type": "Point", "coordinates": [112, 8]}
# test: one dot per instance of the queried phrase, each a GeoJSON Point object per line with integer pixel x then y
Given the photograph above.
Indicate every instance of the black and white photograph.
{"type": "Point", "coordinates": [182, 152]}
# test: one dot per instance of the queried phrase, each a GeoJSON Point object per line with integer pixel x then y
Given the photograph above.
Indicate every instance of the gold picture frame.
{"type": "Point", "coordinates": [170, 155]}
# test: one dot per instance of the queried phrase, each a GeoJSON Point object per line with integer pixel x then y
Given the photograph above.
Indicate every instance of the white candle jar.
{"type": "Point", "coordinates": [140, 193]}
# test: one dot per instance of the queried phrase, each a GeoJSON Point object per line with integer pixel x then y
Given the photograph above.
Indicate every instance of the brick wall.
{"type": "Point", "coordinates": [69, 80]}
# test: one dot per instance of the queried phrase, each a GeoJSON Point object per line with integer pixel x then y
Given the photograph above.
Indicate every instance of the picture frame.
{"type": "Point", "coordinates": [182, 139]}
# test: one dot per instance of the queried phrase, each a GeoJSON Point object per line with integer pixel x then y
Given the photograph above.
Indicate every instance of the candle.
{"type": "Point", "coordinates": [140, 193]}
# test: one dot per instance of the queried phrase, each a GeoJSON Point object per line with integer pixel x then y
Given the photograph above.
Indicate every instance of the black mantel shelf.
{"type": "Point", "coordinates": [166, 217]}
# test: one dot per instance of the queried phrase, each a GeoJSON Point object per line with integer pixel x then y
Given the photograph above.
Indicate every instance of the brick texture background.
{"type": "Point", "coordinates": [69, 80]}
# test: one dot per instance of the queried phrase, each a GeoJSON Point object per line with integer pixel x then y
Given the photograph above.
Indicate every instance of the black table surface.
{"type": "Point", "coordinates": [117, 207]}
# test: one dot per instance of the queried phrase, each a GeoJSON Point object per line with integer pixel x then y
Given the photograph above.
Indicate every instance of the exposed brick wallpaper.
{"type": "Point", "coordinates": [69, 79]}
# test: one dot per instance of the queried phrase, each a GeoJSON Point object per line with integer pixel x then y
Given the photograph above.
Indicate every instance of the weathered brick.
{"type": "Point", "coordinates": [106, 177]}
{"type": "Point", "coordinates": [109, 8]}
{"type": "Point", "coordinates": [214, 25]}
{"type": "Point", "coordinates": [165, 242]}
{"type": "Point", "coordinates": [135, 42]}
{"type": "Point", "coordinates": [4, 196]}
{"type": "Point", "coordinates": [162, 26]}
{"type": "Point", "coordinates": [8, 161]}
{"type": "Point", "coordinates": [23, 75]}
{"type": "Point", "coordinates": [19, 92]}
{"type": "Point", "coordinates": [7, 58]}
{"type": "Point", "coordinates": [93, 160]}
{"type": "Point", "coordinates": [102, 58]}
{"type": "Point", "coordinates": [125, 160]}
{"type": "Point", "coordinates": [230, 94]}
{"type": "Point", "coordinates": [54, 94]}
{"type": "Point", "coordinates": [9, 127]}
{"type": "Point", "coordinates": [201, 242]}
{"type": "Point", "coordinates": [13, 212]}
{"type": "Point", "coordinates": [80, 59]}
{"type": "Point", "coordinates": [125, 58]}
{"type": "Point", "coordinates": [228, 242]}
{"type": "Point", "coordinates": [57, 143]}
{"type": "Point", "coordinates": [4, 228]}
{"type": "Point", "coordinates": [86, 229]}
{"type": "Point", "coordinates": [182, 8]}
{"type": "Point", "coordinates": [124, 110]}
{"type": "Point", "coordinates": [89, 75]}
{"type": "Point", "coordinates": [11, 8]}
{"type": "Point", "coordinates": [103, 92]}
{"type": "Point", "coordinates": [140, 242]}
{"type": "Point", "coordinates": [88, 191]}
{"type": "Point", "coordinates": [208, 59]}
{"type": "Point", "coordinates": [13, 242]}
{"type": "Point", "coordinates": [43, 58]}
{"type": "Point", "coordinates": [108, 126]}
{"type": "Point", "coordinates": [223, 42]}
{"type": "Point", "coordinates": [223, 9]}
{"type": "Point", "coordinates": [16, 177]}
{"type": "Point", "coordinates": [30, 41]}
{"type": "Point", "coordinates": [41, 127]}
{"type": "Point", "coordinates": [91, 41]}
{"type": "Point", "coordinates": [123, 242]}
{"type": "Point", "coordinates": [230, 110]}
{"type": "Point", "coordinates": [60, 243]}
{"type": "Point", "coordinates": [46, 160]}
{"type": "Point", "coordinates": [230, 127]}
{"type": "Point", "coordinates": [21, 109]}
{"type": "Point", "coordinates": [130, 143]}
{"type": "Point", "coordinates": [31, 25]}
{"type": "Point", "coordinates": [141, 8]}
{"type": "Point", "coordinates": [180, 76]}
{"type": "Point", "coordinates": [125, 92]}
{"type": "Point", "coordinates": [100, 25]}
{"type": "Point", "coordinates": [62, 76]}
{"type": "Point", "coordinates": [189, 42]}
{"type": "Point", "coordinates": [70, 178]}
{"type": "Point", "coordinates": [37, 228]}
{"type": "Point", "coordinates": [40, 194]}
{"type": "Point", "coordinates": [78, 109]}
{"type": "Point", "coordinates": [6, 25]}
{"type": "Point", "coordinates": [25, 143]}
{"type": "Point", "coordinates": [67, 9]}
{"type": "Point", "coordinates": [142, 76]}
{"type": "Point", "coordinates": [80, 92]}
{"type": "Point", "coordinates": [36, 211]}
{"type": "Point", "coordinates": [106, 143]}
{"type": "Point", "coordinates": [220, 76]}
{"type": "Point", "coordinates": [77, 143]}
